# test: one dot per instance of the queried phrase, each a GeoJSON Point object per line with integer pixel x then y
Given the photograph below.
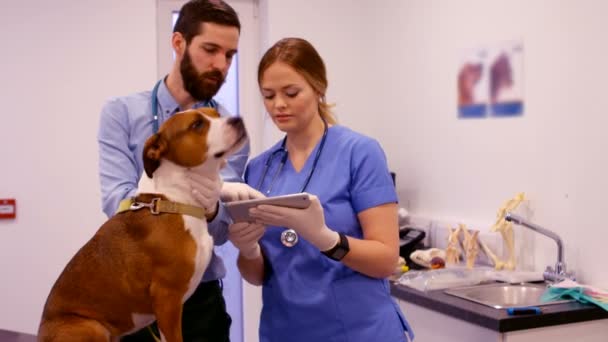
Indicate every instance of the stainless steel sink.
{"type": "Point", "coordinates": [502, 296]}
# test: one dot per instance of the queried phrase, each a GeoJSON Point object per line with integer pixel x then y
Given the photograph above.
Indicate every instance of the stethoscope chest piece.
{"type": "Point", "coordinates": [289, 238]}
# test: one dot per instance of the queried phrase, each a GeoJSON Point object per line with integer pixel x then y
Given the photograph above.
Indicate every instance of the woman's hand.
{"type": "Point", "coordinates": [309, 223]}
{"type": "Point", "coordinates": [245, 236]}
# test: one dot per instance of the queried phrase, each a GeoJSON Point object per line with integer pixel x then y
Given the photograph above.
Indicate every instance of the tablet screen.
{"type": "Point", "coordinates": [239, 210]}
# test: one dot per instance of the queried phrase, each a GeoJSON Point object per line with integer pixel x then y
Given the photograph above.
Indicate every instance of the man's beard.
{"type": "Point", "coordinates": [201, 86]}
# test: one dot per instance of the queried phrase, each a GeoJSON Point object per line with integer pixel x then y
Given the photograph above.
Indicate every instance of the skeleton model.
{"type": "Point", "coordinates": [471, 247]}
{"type": "Point", "coordinates": [469, 243]}
{"type": "Point", "coordinates": [452, 251]}
{"type": "Point", "coordinates": [506, 231]}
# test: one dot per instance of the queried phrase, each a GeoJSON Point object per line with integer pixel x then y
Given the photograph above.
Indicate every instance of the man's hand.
{"type": "Point", "coordinates": [245, 237]}
{"type": "Point", "coordinates": [205, 190]}
{"type": "Point", "coordinates": [233, 191]}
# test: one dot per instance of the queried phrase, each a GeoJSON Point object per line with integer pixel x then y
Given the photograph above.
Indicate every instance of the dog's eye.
{"type": "Point", "coordinates": [197, 125]}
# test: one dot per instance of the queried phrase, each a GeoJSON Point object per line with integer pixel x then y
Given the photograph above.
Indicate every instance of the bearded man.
{"type": "Point", "coordinates": [205, 40]}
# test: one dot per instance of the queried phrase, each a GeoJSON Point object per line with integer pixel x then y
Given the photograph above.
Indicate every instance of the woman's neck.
{"type": "Point", "coordinates": [305, 141]}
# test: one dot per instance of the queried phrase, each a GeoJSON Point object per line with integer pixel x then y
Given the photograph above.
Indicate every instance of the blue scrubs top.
{"type": "Point", "coordinates": [307, 296]}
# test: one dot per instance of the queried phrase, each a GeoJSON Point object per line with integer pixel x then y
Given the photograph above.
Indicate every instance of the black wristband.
{"type": "Point", "coordinates": [339, 251]}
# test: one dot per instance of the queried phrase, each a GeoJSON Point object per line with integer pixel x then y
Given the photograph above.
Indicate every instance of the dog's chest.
{"type": "Point", "coordinates": [204, 247]}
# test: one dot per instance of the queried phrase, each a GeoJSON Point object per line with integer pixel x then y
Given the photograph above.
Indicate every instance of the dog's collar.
{"type": "Point", "coordinates": [158, 205]}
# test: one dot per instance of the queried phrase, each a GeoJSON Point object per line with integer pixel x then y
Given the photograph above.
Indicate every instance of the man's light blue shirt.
{"type": "Point", "coordinates": [125, 124]}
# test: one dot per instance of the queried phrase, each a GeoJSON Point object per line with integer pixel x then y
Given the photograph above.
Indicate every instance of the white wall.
{"type": "Point", "coordinates": [60, 61]}
{"type": "Point", "coordinates": [465, 169]}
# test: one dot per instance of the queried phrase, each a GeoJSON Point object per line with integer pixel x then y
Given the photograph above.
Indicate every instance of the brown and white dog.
{"type": "Point", "coordinates": [139, 266]}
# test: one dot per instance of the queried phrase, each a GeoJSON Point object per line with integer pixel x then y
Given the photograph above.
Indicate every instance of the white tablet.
{"type": "Point", "coordinates": [239, 210]}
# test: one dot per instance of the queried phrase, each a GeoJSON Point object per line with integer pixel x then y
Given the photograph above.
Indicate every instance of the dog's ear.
{"type": "Point", "coordinates": [154, 149]}
{"type": "Point", "coordinates": [208, 111]}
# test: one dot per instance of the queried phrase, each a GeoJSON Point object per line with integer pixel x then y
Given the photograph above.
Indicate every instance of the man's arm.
{"type": "Point", "coordinates": [117, 165]}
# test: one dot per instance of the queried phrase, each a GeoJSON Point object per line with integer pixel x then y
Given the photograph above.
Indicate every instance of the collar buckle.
{"type": "Point", "coordinates": [153, 205]}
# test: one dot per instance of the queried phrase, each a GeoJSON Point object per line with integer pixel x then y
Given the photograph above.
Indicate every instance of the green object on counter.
{"type": "Point", "coordinates": [576, 293]}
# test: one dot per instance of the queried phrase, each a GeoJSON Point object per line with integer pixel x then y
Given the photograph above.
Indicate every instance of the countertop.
{"type": "Point", "coordinates": [496, 319]}
{"type": "Point", "coordinates": [11, 336]}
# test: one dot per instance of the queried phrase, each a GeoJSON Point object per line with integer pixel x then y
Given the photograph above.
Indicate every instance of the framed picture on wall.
{"type": "Point", "coordinates": [490, 81]}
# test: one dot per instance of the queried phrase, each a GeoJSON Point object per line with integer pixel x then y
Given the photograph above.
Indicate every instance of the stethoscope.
{"type": "Point", "coordinates": [156, 122]}
{"type": "Point", "coordinates": [289, 237]}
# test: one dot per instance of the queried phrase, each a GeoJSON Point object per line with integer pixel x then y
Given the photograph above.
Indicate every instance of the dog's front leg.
{"type": "Point", "coordinates": [168, 311]}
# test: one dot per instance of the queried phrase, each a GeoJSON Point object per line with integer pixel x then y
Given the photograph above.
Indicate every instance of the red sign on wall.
{"type": "Point", "coordinates": [8, 208]}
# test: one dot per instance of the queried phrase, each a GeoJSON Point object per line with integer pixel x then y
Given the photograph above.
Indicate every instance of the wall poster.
{"type": "Point", "coordinates": [490, 82]}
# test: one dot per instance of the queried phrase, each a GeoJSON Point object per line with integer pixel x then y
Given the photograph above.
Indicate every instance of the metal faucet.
{"type": "Point", "coordinates": [551, 275]}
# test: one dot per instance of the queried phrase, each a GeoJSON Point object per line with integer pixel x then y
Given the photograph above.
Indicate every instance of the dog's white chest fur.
{"type": "Point", "coordinates": [170, 180]}
{"type": "Point", "coordinates": [204, 248]}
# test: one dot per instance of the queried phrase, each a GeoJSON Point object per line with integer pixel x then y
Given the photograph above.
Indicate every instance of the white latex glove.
{"type": "Point", "coordinates": [245, 237]}
{"type": "Point", "coordinates": [309, 223]}
{"type": "Point", "coordinates": [233, 191]}
{"type": "Point", "coordinates": [205, 190]}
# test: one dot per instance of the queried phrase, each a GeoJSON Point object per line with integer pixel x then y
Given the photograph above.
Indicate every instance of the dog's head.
{"type": "Point", "coordinates": [193, 138]}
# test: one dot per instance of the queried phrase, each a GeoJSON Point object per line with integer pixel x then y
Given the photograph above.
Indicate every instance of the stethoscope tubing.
{"type": "Point", "coordinates": [289, 237]}
{"type": "Point", "coordinates": [155, 107]}
{"type": "Point", "coordinates": [283, 150]}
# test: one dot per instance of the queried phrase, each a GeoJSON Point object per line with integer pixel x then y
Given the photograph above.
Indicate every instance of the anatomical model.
{"type": "Point", "coordinates": [452, 251]}
{"type": "Point", "coordinates": [471, 247]}
{"type": "Point", "coordinates": [506, 231]}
